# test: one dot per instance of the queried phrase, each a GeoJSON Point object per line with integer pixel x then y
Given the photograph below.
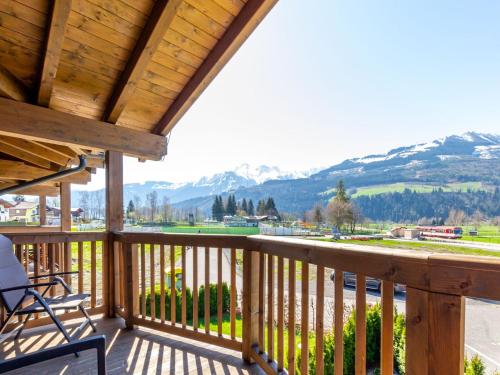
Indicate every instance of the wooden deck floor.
{"type": "Point", "coordinates": [140, 351]}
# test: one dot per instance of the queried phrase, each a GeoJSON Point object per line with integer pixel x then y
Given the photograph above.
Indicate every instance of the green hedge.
{"type": "Point", "coordinates": [226, 302]}
{"type": "Point", "coordinates": [373, 329]}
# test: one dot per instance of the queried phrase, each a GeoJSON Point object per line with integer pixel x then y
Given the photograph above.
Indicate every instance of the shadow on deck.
{"type": "Point", "coordinates": [139, 351]}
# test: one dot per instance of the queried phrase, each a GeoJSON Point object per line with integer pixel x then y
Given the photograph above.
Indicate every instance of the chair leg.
{"type": "Point", "coordinates": [20, 330]}
{"type": "Point", "coordinates": [86, 314]}
{"type": "Point", "coordinates": [7, 321]}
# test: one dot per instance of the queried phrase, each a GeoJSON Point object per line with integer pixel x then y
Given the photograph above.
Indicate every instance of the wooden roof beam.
{"type": "Point", "coordinates": [160, 20]}
{"type": "Point", "coordinates": [23, 155]}
{"type": "Point", "coordinates": [47, 190]}
{"type": "Point", "coordinates": [35, 149]}
{"type": "Point", "coordinates": [13, 170]}
{"type": "Point", "coordinates": [46, 125]}
{"type": "Point", "coordinates": [242, 26]}
{"type": "Point", "coordinates": [53, 46]}
{"type": "Point", "coordinates": [11, 87]}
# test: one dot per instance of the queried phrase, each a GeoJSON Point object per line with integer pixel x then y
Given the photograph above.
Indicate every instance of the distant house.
{"type": "Point", "coordinates": [247, 221]}
{"type": "Point", "coordinates": [4, 210]}
{"type": "Point", "coordinates": [54, 215]}
{"type": "Point", "coordinates": [23, 212]}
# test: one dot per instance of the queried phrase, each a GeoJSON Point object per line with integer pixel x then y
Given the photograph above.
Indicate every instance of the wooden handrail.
{"type": "Point", "coordinates": [53, 237]}
{"type": "Point", "coordinates": [462, 275]}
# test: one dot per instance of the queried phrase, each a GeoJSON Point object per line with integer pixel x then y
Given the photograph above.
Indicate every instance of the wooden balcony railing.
{"type": "Point", "coordinates": [86, 252]}
{"type": "Point", "coordinates": [271, 281]}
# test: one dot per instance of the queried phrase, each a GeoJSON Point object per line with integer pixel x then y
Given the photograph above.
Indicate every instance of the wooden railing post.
{"type": "Point", "coordinates": [131, 283]}
{"type": "Point", "coordinates": [251, 274]}
{"type": "Point", "coordinates": [435, 325]}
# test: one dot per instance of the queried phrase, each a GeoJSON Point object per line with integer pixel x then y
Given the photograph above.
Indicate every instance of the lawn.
{"type": "Point", "coordinates": [212, 230]}
{"type": "Point", "coordinates": [419, 188]}
{"type": "Point", "coordinates": [420, 245]}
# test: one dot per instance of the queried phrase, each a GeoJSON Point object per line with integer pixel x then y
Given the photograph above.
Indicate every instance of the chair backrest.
{"type": "Point", "coordinates": [12, 274]}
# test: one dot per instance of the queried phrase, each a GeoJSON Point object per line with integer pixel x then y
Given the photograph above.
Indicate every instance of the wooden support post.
{"type": "Point", "coordinates": [251, 273]}
{"type": "Point", "coordinates": [435, 325]}
{"type": "Point", "coordinates": [65, 206]}
{"type": "Point", "coordinates": [114, 217]}
{"type": "Point", "coordinates": [42, 208]}
{"type": "Point", "coordinates": [131, 284]}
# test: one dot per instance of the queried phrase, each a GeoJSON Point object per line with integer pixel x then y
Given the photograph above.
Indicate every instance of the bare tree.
{"type": "Point", "coordinates": [166, 209]}
{"type": "Point", "coordinates": [456, 217]}
{"type": "Point", "coordinates": [338, 212]}
{"type": "Point", "coordinates": [152, 199]}
{"type": "Point", "coordinates": [99, 204]}
{"type": "Point", "coordinates": [84, 203]}
{"type": "Point", "coordinates": [138, 206]}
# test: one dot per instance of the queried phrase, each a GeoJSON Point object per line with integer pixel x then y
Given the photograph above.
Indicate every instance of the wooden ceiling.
{"type": "Point", "coordinates": [129, 68]}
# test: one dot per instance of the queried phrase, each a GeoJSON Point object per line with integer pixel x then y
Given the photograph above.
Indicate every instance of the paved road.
{"type": "Point", "coordinates": [482, 318]}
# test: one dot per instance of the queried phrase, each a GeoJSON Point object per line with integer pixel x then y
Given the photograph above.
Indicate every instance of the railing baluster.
{"type": "Point", "coordinates": [339, 323]}
{"type": "Point", "coordinates": [270, 307]}
{"type": "Point", "coordinates": [280, 281]}
{"type": "Point", "coordinates": [67, 262]}
{"type": "Point", "coordinates": [80, 267]}
{"type": "Point", "coordinates": [304, 323]}
{"type": "Point", "coordinates": [262, 280]}
{"type": "Point", "coordinates": [36, 266]}
{"type": "Point", "coordinates": [93, 273]}
{"type": "Point", "coordinates": [183, 291]}
{"type": "Point", "coordinates": [143, 280]}
{"type": "Point", "coordinates": [360, 360]}
{"type": "Point", "coordinates": [291, 316]}
{"type": "Point", "coordinates": [195, 288]}
{"type": "Point", "coordinates": [219, 292]}
{"type": "Point", "coordinates": [233, 294]}
{"type": "Point", "coordinates": [206, 296]}
{"type": "Point", "coordinates": [105, 274]}
{"type": "Point", "coordinates": [173, 292]}
{"type": "Point", "coordinates": [152, 297]}
{"type": "Point", "coordinates": [52, 265]}
{"type": "Point", "coordinates": [386, 345]}
{"type": "Point", "coordinates": [320, 304]}
{"type": "Point", "coordinates": [162, 283]}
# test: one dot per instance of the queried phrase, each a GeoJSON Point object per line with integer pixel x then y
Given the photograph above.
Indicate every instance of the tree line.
{"type": "Point", "coordinates": [438, 207]}
{"type": "Point", "coordinates": [242, 207]}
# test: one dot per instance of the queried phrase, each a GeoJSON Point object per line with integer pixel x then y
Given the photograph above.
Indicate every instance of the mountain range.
{"type": "Point", "coordinates": [467, 161]}
{"type": "Point", "coordinates": [457, 162]}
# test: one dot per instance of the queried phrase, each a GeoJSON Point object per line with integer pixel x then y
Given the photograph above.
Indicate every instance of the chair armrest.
{"type": "Point", "coordinates": [53, 274]}
{"type": "Point", "coordinates": [29, 286]}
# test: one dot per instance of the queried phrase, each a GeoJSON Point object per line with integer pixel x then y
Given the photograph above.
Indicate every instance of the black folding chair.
{"type": "Point", "coordinates": [20, 298]}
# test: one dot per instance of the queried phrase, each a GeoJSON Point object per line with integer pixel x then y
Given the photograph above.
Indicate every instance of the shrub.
{"type": "Point", "coordinates": [373, 333]}
{"type": "Point", "coordinates": [474, 366]}
{"type": "Point", "coordinates": [226, 302]}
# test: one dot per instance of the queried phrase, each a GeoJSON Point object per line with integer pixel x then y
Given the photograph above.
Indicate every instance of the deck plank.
{"type": "Point", "coordinates": [139, 351]}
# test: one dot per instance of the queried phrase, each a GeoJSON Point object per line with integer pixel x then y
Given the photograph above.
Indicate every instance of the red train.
{"type": "Point", "coordinates": [440, 232]}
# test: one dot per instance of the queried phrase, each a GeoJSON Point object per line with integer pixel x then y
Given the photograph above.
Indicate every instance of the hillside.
{"type": "Point", "coordinates": [456, 163]}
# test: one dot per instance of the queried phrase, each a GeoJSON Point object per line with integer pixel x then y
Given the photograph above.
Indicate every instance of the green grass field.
{"type": "Point", "coordinates": [421, 245]}
{"type": "Point", "coordinates": [212, 230]}
{"type": "Point", "coordinates": [419, 188]}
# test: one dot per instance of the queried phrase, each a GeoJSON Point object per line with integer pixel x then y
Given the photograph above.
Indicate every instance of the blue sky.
{"type": "Point", "coordinates": [321, 81]}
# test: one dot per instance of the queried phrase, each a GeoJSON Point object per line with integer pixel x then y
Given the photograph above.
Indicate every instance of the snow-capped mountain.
{"type": "Point", "coordinates": [468, 158]}
{"type": "Point", "coordinates": [243, 176]}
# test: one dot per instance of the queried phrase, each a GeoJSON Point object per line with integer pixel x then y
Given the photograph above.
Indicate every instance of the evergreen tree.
{"type": "Point", "coordinates": [218, 208]}
{"type": "Point", "coordinates": [231, 205]}
{"type": "Point", "coordinates": [341, 192]}
{"type": "Point", "coordinates": [251, 209]}
{"type": "Point", "coordinates": [261, 207]}
{"type": "Point", "coordinates": [130, 209]}
{"type": "Point", "coordinates": [244, 206]}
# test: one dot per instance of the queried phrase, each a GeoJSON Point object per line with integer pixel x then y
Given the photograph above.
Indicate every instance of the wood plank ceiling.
{"type": "Point", "coordinates": [138, 64]}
